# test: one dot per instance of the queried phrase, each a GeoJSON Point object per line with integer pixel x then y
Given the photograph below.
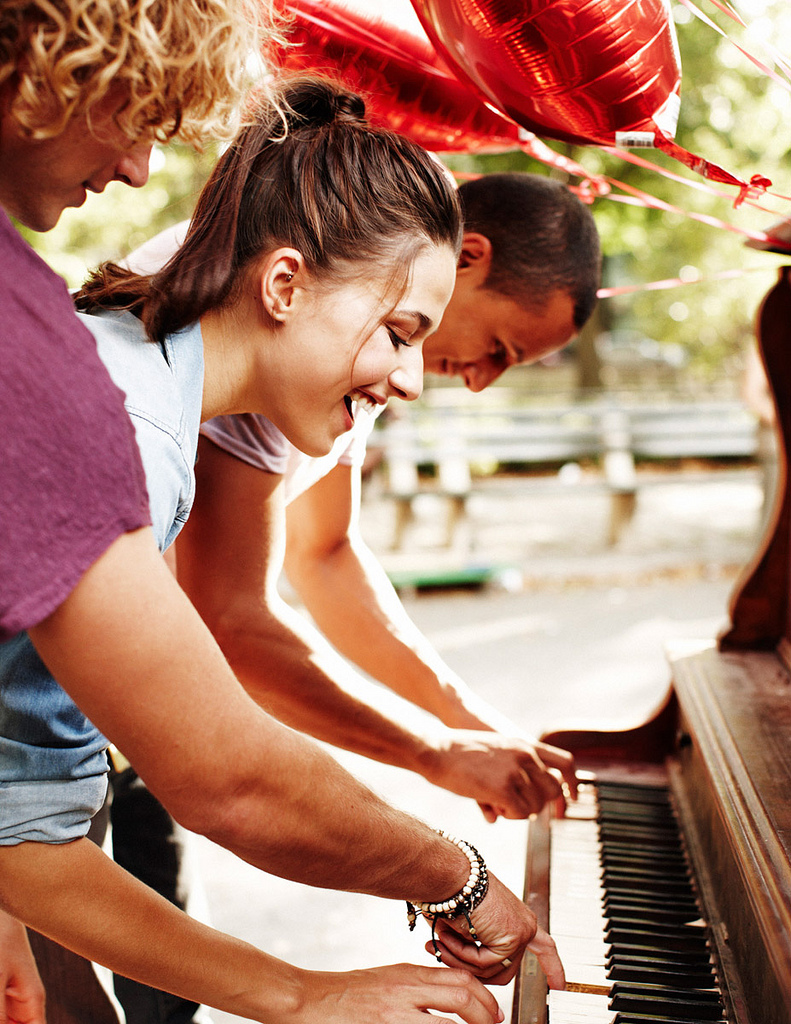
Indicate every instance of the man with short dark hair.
{"type": "Point", "coordinates": [526, 282]}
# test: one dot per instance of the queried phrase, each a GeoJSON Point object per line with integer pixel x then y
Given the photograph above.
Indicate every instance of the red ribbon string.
{"type": "Point", "coordinates": [675, 282]}
{"type": "Point", "coordinates": [639, 198]}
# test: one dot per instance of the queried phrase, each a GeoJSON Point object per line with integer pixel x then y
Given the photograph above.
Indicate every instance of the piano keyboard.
{"type": "Point", "coordinates": [624, 914]}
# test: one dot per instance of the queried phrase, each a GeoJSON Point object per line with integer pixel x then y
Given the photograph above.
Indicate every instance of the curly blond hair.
{"type": "Point", "coordinates": [180, 66]}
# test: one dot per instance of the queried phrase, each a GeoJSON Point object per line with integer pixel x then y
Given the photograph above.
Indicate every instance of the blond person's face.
{"type": "Point", "coordinates": [40, 178]}
{"type": "Point", "coordinates": [347, 349]}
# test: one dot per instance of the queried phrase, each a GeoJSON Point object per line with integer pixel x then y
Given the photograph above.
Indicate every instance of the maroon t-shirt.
{"type": "Point", "coordinates": [71, 480]}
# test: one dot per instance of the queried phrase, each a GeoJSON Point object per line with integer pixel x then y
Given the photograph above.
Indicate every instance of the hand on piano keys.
{"type": "Point", "coordinates": [505, 929]}
{"type": "Point", "coordinates": [509, 776]}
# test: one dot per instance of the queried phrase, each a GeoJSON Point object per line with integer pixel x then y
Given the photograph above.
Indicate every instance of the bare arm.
{"type": "Point", "coordinates": [349, 595]}
{"type": "Point", "coordinates": [134, 654]}
{"type": "Point", "coordinates": [145, 937]}
{"type": "Point", "coordinates": [229, 560]}
{"type": "Point", "coordinates": [21, 991]}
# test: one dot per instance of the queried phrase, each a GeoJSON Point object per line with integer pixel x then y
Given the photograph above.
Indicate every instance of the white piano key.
{"type": "Point", "coordinates": [578, 1008]}
{"type": "Point", "coordinates": [576, 921]}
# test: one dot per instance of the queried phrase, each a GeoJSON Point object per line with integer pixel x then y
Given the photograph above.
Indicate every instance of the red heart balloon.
{"type": "Point", "coordinates": [407, 86]}
{"type": "Point", "coordinates": [582, 72]}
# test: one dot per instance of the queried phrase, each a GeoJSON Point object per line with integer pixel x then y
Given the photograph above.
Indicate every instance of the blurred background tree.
{"type": "Point", "coordinates": [732, 113]}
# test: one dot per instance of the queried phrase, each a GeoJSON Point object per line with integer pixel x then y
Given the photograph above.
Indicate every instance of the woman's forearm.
{"type": "Point", "coordinates": [77, 896]}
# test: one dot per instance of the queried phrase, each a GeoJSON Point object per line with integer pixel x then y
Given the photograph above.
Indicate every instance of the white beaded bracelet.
{"type": "Point", "coordinates": [464, 901]}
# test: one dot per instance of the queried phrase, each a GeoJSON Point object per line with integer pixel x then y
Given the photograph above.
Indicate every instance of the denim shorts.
{"type": "Point", "coordinates": [47, 811]}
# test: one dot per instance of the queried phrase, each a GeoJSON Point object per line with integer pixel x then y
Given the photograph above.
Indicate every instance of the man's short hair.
{"type": "Point", "coordinates": [543, 239]}
{"type": "Point", "coordinates": [181, 64]}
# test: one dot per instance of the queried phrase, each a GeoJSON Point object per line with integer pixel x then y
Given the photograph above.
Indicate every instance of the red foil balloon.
{"type": "Point", "coordinates": [582, 72]}
{"type": "Point", "coordinates": [605, 72]}
{"type": "Point", "coordinates": [406, 84]}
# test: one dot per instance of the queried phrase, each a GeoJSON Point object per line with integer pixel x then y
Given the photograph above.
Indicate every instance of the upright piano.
{"type": "Point", "coordinates": [667, 887]}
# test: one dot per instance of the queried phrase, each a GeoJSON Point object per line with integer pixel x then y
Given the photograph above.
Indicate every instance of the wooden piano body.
{"type": "Point", "coordinates": [723, 739]}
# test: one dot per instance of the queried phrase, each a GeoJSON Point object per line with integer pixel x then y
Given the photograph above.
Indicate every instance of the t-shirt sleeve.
{"type": "Point", "coordinates": [252, 438]}
{"type": "Point", "coordinates": [71, 478]}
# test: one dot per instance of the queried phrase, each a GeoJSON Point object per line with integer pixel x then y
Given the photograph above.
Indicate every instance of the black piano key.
{"type": "Point", "coordinates": [637, 836]}
{"type": "Point", "coordinates": [671, 849]}
{"type": "Point", "coordinates": [677, 869]}
{"type": "Point", "coordinates": [648, 815]}
{"type": "Point", "coordinates": [677, 941]}
{"type": "Point", "coordinates": [675, 909]}
{"type": "Point", "coordinates": [667, 959]}
{"type": "Point", "coordinates": [655, 797]}
{"type": "Point", "coordinates": [693, 929]}
{"type": "Point", "coordinates": [650, 1018]}
{"type": "Point", "coordinates": [668, 1006]}
{"type": "Point", "coordinates": [622, 828]}
{"type": "Point", "coordinates": [674, 977]}
{"type": "Point", "coordinates": [654, 952]}
{"type": "Point", "coordinates": [694, 995]}
{"type": "Point", "coordinates": [648, 899]}
{"type": "Point", "coordinates": [642, 856]}
{"type": "Point", "coordinates": [649, 812]}
{"type": "Point", "coordinates": [637, 885]}
{"type": "Point", "coordinates": [625, 954]}
{"type": "Point", "coordinates": [633, 792]}
{"type": "Point", "coordinates": [633, 917]}
{"type": "Point", "coordinates": [678, 873]}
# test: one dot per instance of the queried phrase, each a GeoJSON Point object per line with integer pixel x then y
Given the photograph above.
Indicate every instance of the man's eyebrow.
{"type": "Point", "coordinates": [425, 321]}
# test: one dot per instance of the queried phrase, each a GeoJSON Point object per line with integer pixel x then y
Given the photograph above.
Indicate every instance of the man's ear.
{"type": "Point", "coordinates": [279, 279]}
{"type": "Point", "coordinates": [475, 257]}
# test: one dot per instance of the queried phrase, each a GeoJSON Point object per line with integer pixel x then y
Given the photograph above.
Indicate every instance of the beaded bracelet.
{"type": "Point", "coordinates": [465, 900]}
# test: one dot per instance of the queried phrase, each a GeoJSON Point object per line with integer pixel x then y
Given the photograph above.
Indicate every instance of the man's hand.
{"type": "Point", "coordinates": [505, 929]}
{"type": "Point", "coordinates": [21, 991]}
{"type": "Point", "coordinates": [509, 777]}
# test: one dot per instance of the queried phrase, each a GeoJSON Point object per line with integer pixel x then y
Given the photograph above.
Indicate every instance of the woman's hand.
{"type": "Point", "coordinates": [400, 994]}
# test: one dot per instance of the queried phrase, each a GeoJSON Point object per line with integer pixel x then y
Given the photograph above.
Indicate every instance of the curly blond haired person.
{"type": "Point", "coordinates": [83, 96]}
{"type": "Point", "coordinates": [86, 88]}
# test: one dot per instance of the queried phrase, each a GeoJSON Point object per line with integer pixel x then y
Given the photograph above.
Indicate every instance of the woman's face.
{"type": "Point", "coordinates": [349, 343]}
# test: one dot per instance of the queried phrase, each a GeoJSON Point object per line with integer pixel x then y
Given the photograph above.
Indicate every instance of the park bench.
{"type": "Point", "coordinates": [449, 446]}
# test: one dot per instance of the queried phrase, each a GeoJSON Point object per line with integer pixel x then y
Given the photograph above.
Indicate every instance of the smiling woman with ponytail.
{"type": "Point", "coordinates": [321, 253]}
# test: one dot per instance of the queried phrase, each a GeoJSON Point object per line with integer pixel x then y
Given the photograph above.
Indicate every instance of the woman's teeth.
{"type": "Point", "coordinates": [362, 401]}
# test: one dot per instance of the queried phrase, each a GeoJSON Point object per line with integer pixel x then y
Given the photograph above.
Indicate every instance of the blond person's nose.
{"type": "Point", "coordinates": [132, 168]}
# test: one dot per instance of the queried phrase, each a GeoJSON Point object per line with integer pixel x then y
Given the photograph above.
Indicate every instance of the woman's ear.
{"type": "Point", "coordinates": [280, 281]}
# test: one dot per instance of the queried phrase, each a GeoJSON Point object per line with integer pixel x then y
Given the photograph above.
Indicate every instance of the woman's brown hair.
{"type": "Point", "coordinates": [308, 172]}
